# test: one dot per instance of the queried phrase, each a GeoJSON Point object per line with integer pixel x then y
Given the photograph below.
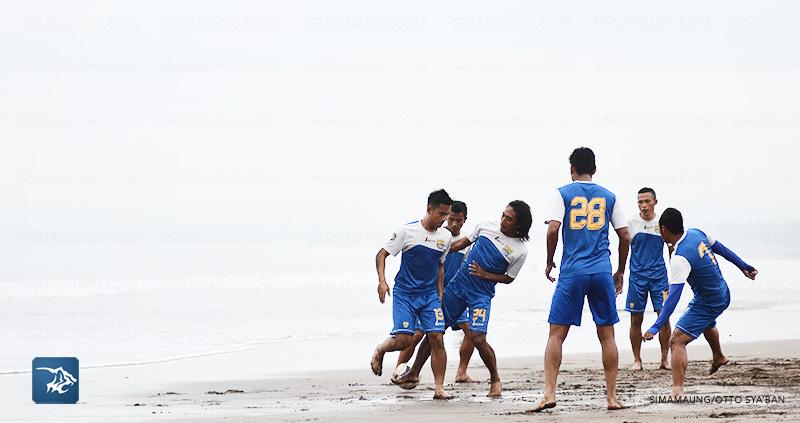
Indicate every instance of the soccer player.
{"type": "Point", "coordinates": [454, 259]}
{"type": "Point", "coordinates": [648, 275]}
{"type": "Point", "coordinates": [587, 210]}
{"type": "Point", "coordinates": [418, 286]}
{"type": "Point", "coordinates": [694, 261]}
{"type": "Point", "coordinates": [496, 256]}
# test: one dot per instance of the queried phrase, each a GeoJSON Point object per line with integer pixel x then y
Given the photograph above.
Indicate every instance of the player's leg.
{"type": "Point", "coordinates": [406, 355]}
{"type": "Point", "coordinates": [395, 342]}
{"type": "Point", "coordinates": [602, 302]}
{"type": "Point", "coordinates": [712, 336]}
{"type": "Point", "coordinates": [438, 363]}
{"type": "Point", "coordinates": [680, 360]}
{"type": "Point", "coordinates": [401, 335]}
{"type": "Point", "coordinates": [635, 304]}
{"type": "Point", "coordinates": [719, 359]}
{"type": "Point", "coordinates": [663, 338]}
{"type": "Point", "coordinates": [635, 334]}
{"type": "Point", "coordinates": [465, 354]}
{"type": "Point", "coordinates": [490, 360]}
{"type": "Point", "coordinates": [480, 310]}
{"type": "Point", "coordinates": [552, 364]}
{"type": "Point", "coordinates": [431, 315]}
{"type": "Point", "coordinates": [565, 311]}
{"type": "Point", "coordinates": [658, 293]}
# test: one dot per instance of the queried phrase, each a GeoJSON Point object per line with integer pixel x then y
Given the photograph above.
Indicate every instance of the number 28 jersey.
{"type": "Point", "coordinates": [585, 211]}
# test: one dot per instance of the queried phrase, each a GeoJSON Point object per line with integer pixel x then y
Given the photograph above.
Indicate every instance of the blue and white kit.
{"type": "Point", "coordinates": [495, 253]}
{"type": "Point", "coordinates": [415, 294]}
{"type": "Point", "coordinates": [648, 273]}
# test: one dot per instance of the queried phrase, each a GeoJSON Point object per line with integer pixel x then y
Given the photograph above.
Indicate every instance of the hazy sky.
{"type": "Point", "coordinates": [245, 135]}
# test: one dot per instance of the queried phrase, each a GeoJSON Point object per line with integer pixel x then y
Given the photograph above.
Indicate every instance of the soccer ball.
{"type": "Point", "coordinates": [402, 370]}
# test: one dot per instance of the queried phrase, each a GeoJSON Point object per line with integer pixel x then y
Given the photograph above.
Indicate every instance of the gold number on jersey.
{"type": "Point", "coordinates": [592, 211]}
{"type": "Point", "coordinates": [705, 251]}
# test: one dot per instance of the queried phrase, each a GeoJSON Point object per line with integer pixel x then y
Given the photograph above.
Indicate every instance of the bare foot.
{"type": "Point", "coordinates": [440, 394]}
{"type": "Point", "coordinates": [636, 366]}
{"type": "Point", "coordinates": [677, 392]}
{"type": "Point", "coordinates": [377, 363]}
{"type": "Point", "coordinates": [543, 405]}
{"type": "Point", "coordinates": [715, 365]}
{"type": "Point", "coordinates": [495, 390]}
{"type": "Point", "coordinates": [465, 378]}
{"type": "Point", "coordinates": [665, 365]}
{"type": "Point", "coordinates": [615, 405]}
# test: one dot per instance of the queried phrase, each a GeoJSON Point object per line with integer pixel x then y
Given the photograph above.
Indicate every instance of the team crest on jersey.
{"type": "Point", "coordinates": [405, 325]}
{"type": "Point", "coordinates": [508, 250]}
{"type": "Point", "coordinates": [440, 244]}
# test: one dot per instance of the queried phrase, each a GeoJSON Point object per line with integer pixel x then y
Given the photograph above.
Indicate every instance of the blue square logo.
{"type": "Point", "coordinates": [55, 380]}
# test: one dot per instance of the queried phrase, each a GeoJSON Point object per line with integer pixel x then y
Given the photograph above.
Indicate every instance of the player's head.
{"type": "Point", "coordinates": [439, 203]}
{"type": "Point", "coordinates": [582, 162]}
{"type": "Point", "coordinates": [457, 217]}
{"type": "Point", "coordinates": [647, 202]}
{"type": "Point", "coordinates": [671, 225]}
{"type": "Point", "coordinates": [516, 220]}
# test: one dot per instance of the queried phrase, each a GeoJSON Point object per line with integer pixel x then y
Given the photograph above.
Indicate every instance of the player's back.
{"type": "Point", "coordinates": [588, 211]}
{"type": "Point", "coordinates": [705, 277]}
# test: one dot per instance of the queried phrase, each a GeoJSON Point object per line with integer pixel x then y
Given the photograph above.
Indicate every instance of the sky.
{"type": "Point", "coordinates": [196, 139]}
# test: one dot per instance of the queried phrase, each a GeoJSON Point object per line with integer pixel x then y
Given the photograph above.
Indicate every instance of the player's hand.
{"type": "Point", "coordinates": [750, 273]}
{"type": "Point", "coordinates": [476, 270]}
{"type": "Point", "coordinates": [647, 336]}
{"type": "Point", "coordinates": [383, 291]}
{"type": "Point", "coordinates": [619, 279]}
{"type": "Point", "coordinates": [548, 269]}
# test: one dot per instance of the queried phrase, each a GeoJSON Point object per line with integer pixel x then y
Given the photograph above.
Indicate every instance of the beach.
{"type": "Point", "coordinates": [761, 382]}
{"type": "Point", "coordinates": [297, 346]}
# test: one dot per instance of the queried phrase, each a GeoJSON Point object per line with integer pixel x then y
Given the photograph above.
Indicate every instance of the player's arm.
{"type": "Point", "coordinates": [621, 227]}
{"type": "Point", "coordinates": [440, 281]}
{"type": "Point", "coordinates": [557, 211]}
{"type": "Point", "coordinates": [679, 272]}
{"type": "Point", "coordinates": [729, 255]}
{"type": "Point", "coordinates": [380, 266]}
{"type": "Point", "coordinates": [552, 242]}
{"type": "Point", "coordinates": [476, 270]}
{"type": "Point", "coordinates": [393, 247]}
{"type": "Point", "coordinates": [624, 247]}
{"type": "Point", "coordinates": [460, 244]}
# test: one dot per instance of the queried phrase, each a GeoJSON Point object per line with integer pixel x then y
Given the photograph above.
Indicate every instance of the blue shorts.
{"type": "Point", "coordinates": [411, 311]}
{"type": "Point", "coordinates": [702, 314]}
{"type": "Point", "coordinates": [639, 287]}
{"type": "Point", "coordinates": [567, 305]}
{"type": "Point", "coordinates": [470, 308]}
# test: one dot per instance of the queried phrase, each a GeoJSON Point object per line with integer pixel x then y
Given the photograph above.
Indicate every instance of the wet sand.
{"type": "Point", "coordinates": [763, 376]}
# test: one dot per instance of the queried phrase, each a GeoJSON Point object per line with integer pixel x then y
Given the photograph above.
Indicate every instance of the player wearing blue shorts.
{"type": "Point", "coordinates": [587, 210]}
{"type": "Point", "coordinates": [418, 286]}
{"type": "Point", "coordinates": [453, 260]}
{"type": "Point", "coordinates": [648, 275]}
{"type": "Point", "coordinates": [497, 254]}
{"type": "Point", "coordinates": [694, 261]}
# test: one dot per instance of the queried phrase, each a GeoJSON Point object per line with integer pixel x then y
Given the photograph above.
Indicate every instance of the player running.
{"type": "Point", "coordinates": [586, 209]}
{"type": "Point", "coordinates": [648, 275]}
{"type": "Point", "coordinates": [694, 261]}
{"type": "Point", "coordinates": [497, 254]}
{"type": "Point", "coordinates": [418, 286]}
{"type": "Point", "coordinates": [454, 259]}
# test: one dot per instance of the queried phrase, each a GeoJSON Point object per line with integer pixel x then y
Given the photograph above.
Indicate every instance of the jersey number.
{"type": "Point", "coordinates": [705, 251]}
{"type": "Point", "coordinates": [589, 214]}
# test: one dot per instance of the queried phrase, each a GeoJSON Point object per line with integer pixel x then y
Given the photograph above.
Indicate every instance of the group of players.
{"type": "Point", "coordinates": [447, 279]}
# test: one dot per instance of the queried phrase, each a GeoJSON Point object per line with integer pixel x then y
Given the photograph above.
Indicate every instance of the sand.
{"type": "Point", "coordinates": [760, 372]}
